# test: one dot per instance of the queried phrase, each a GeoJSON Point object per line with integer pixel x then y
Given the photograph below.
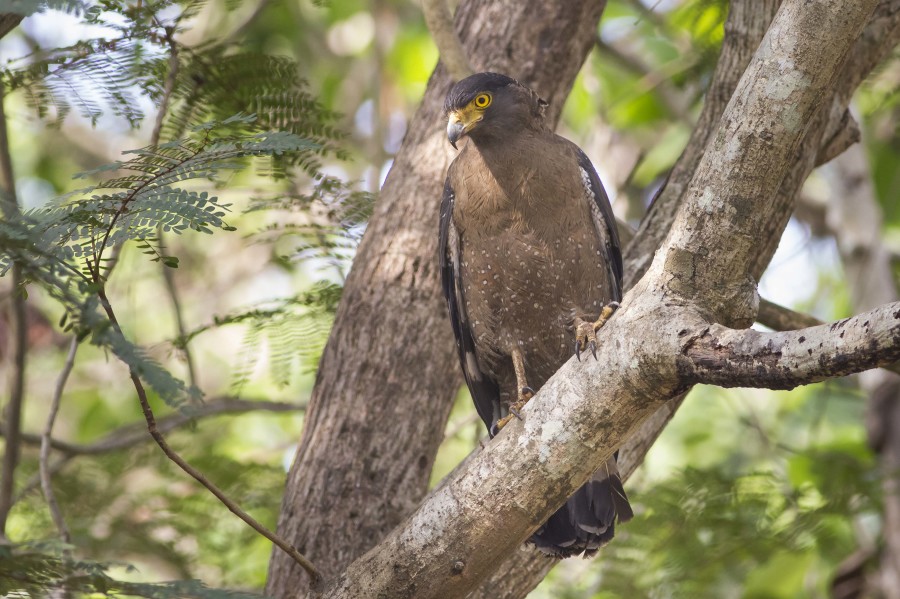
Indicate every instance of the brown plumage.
{"type": "Point", "coordinates": [529, 257]}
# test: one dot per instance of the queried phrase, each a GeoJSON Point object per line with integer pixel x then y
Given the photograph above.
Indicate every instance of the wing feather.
{"type": "Point", "coordinates": [484, 390]}
{"type": "Point", "coordinates": [604, 221]}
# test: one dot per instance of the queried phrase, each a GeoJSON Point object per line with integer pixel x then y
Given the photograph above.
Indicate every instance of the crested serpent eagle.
{"type": "Point", "coordinates": [530, 259]}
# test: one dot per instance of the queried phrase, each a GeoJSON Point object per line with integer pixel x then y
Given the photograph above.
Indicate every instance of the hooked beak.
{"type": "Point", "coordinates": [455, 130]}
{"type": "Point", "coordinates": [459, 123]}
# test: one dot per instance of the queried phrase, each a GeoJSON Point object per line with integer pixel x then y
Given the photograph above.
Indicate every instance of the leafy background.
{"type": "Point", "coordinates": [747, 494]}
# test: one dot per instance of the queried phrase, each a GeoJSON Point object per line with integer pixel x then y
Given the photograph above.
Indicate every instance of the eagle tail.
{"type": "Point", "coordinates": [586, 522]}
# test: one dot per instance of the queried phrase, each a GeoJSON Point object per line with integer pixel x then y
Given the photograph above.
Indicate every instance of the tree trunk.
{"type": "Point", "coordinates": [389, 372]}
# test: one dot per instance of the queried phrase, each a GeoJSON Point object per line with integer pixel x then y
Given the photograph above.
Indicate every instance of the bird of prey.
{"type": "Point", "coordinates": [530, 258]}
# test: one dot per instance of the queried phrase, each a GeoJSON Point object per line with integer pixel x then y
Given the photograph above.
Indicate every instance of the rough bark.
{"type": "Point", "coordinates": [832, 129]}
{"type": "Point", "coordinates": [458, 536]}
{"type": "Point", "coordinates": [784, 360]}
{"type": "Point", "coordinates": [8, 22]}
{"type": "Point", "coordinates": [389, 372]}
{"type": "Point", "coordinates": [744, 28]}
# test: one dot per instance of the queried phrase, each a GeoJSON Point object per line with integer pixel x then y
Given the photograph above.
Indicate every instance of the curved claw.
{"type": "Point", "coordinates": [593, 346]}
{"type": "Point", "coordinates": [578, 350]}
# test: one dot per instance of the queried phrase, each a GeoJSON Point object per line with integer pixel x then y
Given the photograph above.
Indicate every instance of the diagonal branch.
{"type": "Point", "coordinates": [196, 474]}
{"type": "Point", "coordinates": [780, 318]}
{"type": "Point", "coordinates": [746, 23]}
{"type": "Point", "coordinates": [784, 360]}
{"type": "Point", "coordinates": [440, 25]}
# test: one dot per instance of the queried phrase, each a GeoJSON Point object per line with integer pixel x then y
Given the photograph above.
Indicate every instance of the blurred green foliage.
{"type": "Point", "coordinates": [747, 494]}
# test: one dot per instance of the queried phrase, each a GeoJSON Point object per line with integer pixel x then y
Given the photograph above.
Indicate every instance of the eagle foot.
{"type": "Point", "coordinates": [586, 332]}
{"type": "Point", "coordinates": [525, 394]}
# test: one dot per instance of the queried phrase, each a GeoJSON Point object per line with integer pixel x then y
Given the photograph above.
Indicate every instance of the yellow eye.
{"type": "Point", "coordinates": [483, 100]}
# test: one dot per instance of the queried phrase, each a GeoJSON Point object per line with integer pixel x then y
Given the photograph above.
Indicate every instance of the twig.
{"type": "Point", "coordinates": [123, 207]}
{"type": "Point", "coordinates": [135, 434]}
{"type": "Point", "coordinates": [168, 275]}
{"type": "Point", "coordinates": [18, 319]}
{"type": "Point", "coordinates": [46, 485]}
{"type": "Point", "coordinates": [196, 474]}
{"type": "Point", "coordinates": [169, 279]}
{"type": "Point", "coordinates": [461, 425]}
{"type": "Point", "coordinates": [440, 24]}
{"type": "Point", "coordinates": [779, 318]}
{"type": "Point", "coordinates": [673, 100]}
{"type": "Point", "coordinates": [679, 39]}
{"type": "Point", "coordinates": [168, 89]}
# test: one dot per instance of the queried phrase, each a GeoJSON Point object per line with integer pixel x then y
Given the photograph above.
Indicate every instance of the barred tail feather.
{"type": "Point", "coordinates": [586, 522]}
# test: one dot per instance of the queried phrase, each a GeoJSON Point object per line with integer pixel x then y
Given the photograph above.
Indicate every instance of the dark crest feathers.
{"type": "Point", "coordinates": [466, 89]}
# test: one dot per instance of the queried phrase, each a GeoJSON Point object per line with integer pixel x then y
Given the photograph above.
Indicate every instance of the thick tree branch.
{"type": "Point", "coordinates": [586, 410]}
{"type": "Point", "coordinates": [784, 360]}
{"type": "Point", "coordinates": [744, 28]}
{"type": "Point", "coordinates": [779, 318]}
{"type": "Point", "coordinates": [764, 120]}
{"type": "Point", "coordinates": [877, 40]}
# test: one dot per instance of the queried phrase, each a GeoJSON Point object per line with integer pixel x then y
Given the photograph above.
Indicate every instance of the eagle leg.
{"type": "Point", "coordinates": [586, 332]}
{"type": "Point", "coordinates": [525, 392]}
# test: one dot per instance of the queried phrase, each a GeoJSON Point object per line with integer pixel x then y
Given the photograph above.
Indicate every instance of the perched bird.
{"type": "Point", "coordinates": [530, 258]}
